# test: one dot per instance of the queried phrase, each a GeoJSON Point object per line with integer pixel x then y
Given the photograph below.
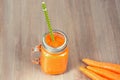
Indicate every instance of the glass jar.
{"type": "Point", "coordinates": [53, 57]}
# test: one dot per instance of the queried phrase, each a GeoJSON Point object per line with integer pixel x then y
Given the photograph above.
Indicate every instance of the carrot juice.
{"type": "Point", "coordinates": [54, 55]}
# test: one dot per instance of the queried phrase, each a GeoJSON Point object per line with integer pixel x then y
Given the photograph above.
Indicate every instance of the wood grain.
{"type": "Point", "coordinates": [92, 26]}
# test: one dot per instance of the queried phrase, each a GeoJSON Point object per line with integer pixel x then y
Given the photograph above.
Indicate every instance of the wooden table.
{"type": "Point", "coordinates": [92, 26]}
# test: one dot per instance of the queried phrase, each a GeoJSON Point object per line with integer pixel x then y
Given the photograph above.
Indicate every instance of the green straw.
{"type": "Point", "coordinates": [47, 20]}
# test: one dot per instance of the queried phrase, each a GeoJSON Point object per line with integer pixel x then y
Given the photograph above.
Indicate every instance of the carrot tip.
{"type": "Point", "coordinates": [85, 59]}
{"type": "Point", "coordinates": [81, 67]}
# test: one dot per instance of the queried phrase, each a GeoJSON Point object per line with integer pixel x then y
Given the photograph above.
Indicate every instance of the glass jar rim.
{"type": "Point", "coordinates": [57, 49]}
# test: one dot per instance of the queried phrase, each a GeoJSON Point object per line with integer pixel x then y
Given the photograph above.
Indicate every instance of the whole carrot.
{"type": "Point", "coordinates": [91, 74]}
{"type": "Point", "coordinates": [105, 65]}
{"type": "Point", "coordinates": [103, 72]}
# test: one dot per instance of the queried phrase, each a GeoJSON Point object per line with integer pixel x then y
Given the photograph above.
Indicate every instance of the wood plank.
{"type": "Point", "coordinates": [1, 33]}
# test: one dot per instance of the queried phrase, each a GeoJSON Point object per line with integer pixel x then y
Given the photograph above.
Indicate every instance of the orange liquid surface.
{"type": "Point", "coordinates": [58, 40]}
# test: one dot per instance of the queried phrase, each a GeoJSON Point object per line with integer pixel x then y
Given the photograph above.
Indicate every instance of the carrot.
{"type": "Point", "coordinates": [105, 65]}
{"type": "Point", "coordinates": [104, 73]}
{"type": "Point", "coordinates": [91, 74]}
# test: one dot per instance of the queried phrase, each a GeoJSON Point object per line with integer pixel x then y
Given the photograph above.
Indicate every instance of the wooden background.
{"type": "Point", "coordinates": [92, 26]}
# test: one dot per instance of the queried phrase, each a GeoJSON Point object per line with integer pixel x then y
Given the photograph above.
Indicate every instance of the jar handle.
{"type": "Point", "coordinates": [35, 54]}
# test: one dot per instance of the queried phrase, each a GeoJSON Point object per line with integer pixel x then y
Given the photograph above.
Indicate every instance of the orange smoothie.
{"type": "Point", "coordinates": [54, 62]}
